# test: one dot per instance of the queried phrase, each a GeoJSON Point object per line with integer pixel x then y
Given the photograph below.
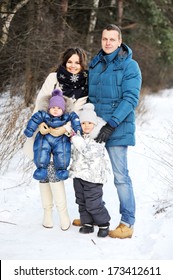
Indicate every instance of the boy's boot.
{"type": "Point", "coordinates": [86, 228]}
{"type": "Point", "coordinates": [47, 203]}
{"type": "Point", "coordinates": [121, 231]}
{"type": "Point", "coordinates": [59, 196]}
{"type": "Point", "coordinates": [103, 231]}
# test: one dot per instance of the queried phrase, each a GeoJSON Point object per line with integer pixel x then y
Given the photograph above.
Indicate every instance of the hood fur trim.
{"type": "Point", "coordinates": [100, 123]}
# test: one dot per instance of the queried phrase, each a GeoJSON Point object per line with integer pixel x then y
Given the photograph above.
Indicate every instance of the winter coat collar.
{"type": "Point", "coordinates": [96, 130]}
{"type": "Point", "coordinates": [117, 56]}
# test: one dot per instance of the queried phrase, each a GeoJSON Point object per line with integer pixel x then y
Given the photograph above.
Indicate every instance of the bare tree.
{"type": "Point", "coordinates": [7, 16]}
{"type": "Point", "coordinates": [120, 12]}
{"type": "Point", "coordinates": [29, 85]}
{"type": "Point", "coordinates": [63, 15]}
{"type": "Point", "coordinates": [92, 25]}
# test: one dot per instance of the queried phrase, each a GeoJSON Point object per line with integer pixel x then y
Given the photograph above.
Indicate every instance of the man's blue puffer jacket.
{"type": "Point", "coordinates": [114, 89]}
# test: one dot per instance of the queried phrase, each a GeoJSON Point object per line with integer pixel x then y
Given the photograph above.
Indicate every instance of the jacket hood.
{"type": "Point", "coordinates": [123, 53]}
{"type": "Point", "coordinates": [96, 129]}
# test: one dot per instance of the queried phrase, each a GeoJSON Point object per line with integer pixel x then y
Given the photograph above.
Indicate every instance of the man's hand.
{"type": "Point", "coordinates": [104, 133]}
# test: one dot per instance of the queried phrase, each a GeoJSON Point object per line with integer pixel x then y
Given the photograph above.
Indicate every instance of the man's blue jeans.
{"type": "Point", "coordinates": [123, 183]}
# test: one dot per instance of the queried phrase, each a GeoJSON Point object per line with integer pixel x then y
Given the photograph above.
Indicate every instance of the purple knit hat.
{"type": "Point", "coordinates": [57, 100]}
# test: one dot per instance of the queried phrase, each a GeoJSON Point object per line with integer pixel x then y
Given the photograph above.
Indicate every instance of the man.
{"type": "Point", "coordinates": [114, 89]}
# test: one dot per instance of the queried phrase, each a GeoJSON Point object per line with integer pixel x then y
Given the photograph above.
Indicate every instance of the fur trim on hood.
{"type": "Point", "coordinates": [100, 123]}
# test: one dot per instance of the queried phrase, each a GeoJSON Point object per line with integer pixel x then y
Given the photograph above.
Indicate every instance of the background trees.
{"type": "Point", "coordinates": [33, 33]}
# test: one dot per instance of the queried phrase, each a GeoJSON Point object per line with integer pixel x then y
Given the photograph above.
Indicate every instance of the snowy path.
{"type": "Point", "coordinates": [152, 239]}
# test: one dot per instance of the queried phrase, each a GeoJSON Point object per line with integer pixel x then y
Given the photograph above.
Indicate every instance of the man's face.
{"type": "Point", "coordinates": [110, 41]}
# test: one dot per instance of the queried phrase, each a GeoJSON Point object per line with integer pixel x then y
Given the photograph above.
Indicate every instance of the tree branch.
{"type": "Point", "coordinates": [7, 18]}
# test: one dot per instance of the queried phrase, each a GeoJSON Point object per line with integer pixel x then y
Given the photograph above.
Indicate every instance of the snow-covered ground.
{"type": "Point", "coordinates": [22, 237]}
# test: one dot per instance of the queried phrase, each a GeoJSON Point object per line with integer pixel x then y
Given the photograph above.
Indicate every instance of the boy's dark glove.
{"type": "Point", "coordinates": [104, 133]}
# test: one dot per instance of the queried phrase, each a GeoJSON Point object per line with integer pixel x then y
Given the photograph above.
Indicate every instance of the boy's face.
{"type": "Point", "coordinates": [87, 127]}
{"type": "Point", "coordinates": [56, 111]}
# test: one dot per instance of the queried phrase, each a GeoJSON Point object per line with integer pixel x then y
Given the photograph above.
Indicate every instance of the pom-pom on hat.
{"type": "Point", "coordinates": [87, 114]}
{"type": "Point", "coordinates": [57, 100]}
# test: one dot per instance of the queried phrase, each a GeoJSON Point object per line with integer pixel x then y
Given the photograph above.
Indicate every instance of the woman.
{"type": "Point", "coordinates": [71, 78]}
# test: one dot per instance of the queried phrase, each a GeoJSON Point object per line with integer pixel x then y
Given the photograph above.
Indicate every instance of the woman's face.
{"type": "Point", "coordinates": [73, 64]}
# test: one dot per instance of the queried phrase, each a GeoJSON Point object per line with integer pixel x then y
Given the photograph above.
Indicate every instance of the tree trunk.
{"type": "Point", "coordinates": [29, 75]}
{"type": "Point", "coordinates": [7, 16]}
{"type": "Point", "coordinates": [92, 25]}
{"type": "Point", "coordinates": [120, 13]}
{"type": "Point", "coordinates": [62, 23]}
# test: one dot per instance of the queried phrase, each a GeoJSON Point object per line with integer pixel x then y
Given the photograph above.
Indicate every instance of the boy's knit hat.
{"type": "Point", "coordinates": [87, 114]}
{"type": "Point", "coordinates": [57, 100]}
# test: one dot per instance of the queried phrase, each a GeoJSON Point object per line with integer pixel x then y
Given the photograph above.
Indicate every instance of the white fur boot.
{"type": "Point", "coordinates": [47, 203]}
{"type": "Point", "coordinates": [59, 196]}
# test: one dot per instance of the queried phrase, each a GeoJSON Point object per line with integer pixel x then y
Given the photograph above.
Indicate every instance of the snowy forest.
{"type": "Point", "coordinates": [33, 34]}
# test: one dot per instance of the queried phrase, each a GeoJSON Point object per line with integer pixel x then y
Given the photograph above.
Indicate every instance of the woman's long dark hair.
{"type": "Point", "coordinates": [75, 50]}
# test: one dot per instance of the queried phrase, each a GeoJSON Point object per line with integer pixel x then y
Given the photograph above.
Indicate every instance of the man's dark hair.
{"type": "Point", "coordinates": [113, 27]}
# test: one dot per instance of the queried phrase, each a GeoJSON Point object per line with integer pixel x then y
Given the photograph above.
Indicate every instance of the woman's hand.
{"type": "Point", "coordinates": [44, 129]}
{"type": "Point", "coordinates": [57, 131]}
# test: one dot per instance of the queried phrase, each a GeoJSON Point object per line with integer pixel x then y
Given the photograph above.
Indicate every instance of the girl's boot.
{"type": "Point", "coordinates": [47, 203]}
{"type": "Point", "coordinates": [59, 196]}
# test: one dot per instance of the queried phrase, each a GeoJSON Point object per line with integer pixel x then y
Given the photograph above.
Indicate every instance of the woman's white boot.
{"type": "Point", "coordinates": [47, 203]}
{"type": "Point", "coordinates": [59, 196]}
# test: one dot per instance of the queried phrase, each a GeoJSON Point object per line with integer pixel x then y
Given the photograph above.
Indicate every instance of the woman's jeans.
{"type": "Point", "coordinates": [123, 183]}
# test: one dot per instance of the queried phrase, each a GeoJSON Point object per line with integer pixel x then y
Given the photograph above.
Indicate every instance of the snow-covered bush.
{"type": "Point", "coordinates": [14, 116]}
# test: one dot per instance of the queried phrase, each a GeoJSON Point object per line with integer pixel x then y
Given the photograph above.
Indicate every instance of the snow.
{"type": "Point", "coordinates": [22, 237]}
